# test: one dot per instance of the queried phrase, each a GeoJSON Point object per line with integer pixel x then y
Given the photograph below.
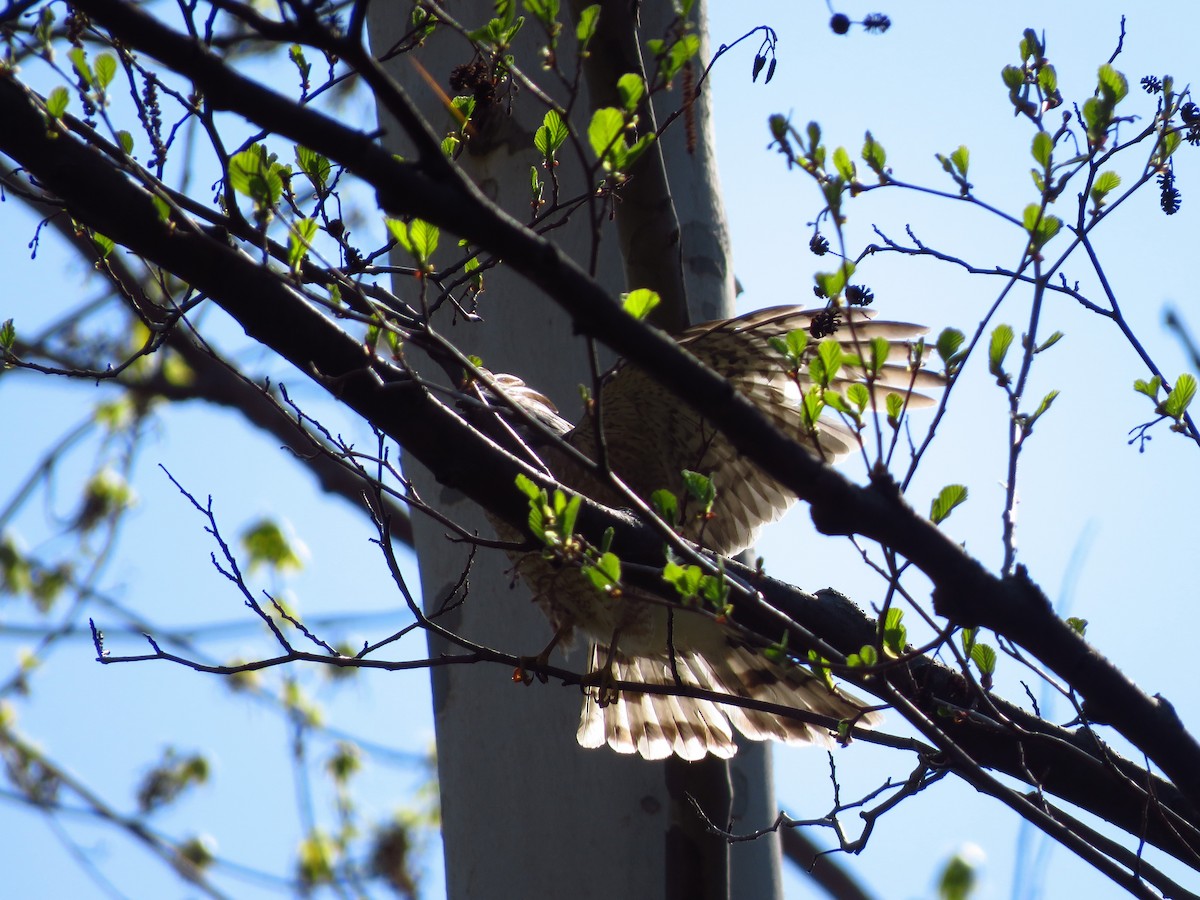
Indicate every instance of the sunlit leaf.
{"type": "Point", "coordinates": [1180, 397]}
{"type": "Point", "coordinates": [639, 303]}
{"type": "Point", "coordinates": [949, 497]}
{"type": "Point", "coordinates": [1002, 338]}
{"type": "Point", "coordinates": [586, 29]}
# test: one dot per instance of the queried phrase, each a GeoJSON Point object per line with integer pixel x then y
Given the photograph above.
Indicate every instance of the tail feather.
{"type": "Point", "coordinates": [656, 726]}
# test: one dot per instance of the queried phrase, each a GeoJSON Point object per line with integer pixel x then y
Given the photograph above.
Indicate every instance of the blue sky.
{"type": "Point", "coordinates": [1104, 529]}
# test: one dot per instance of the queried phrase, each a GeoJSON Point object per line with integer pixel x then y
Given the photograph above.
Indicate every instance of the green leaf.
{"type": "Point", "coordinates": [606, 573]}
{"type": "Point", "coordinates": [984, 656]}
{"type": "Point", "coordinates": [1169, 144]}
{"type": "Point", "coordinates": [631, 88]}
{"type": "Point", "coordinates": [666, 504]}
{"type": "Point", "coordinates": [958, 879]}
{"type": "Point", "coordinates": [961, 158]}
{"type": "Point", "coordinates": [499, 32]}
{"type": "Point", "coordinates": [586, 29]}
{"type": "Point", "coordinates": [1113, 85]}
{"type": "Point", "coordinates": [463, 107]}
{"type": "Point", "coordinates": [1048, 79]}
{"type": "Point", "coordinates": [628, 157]}
{"type": "Point", "coordinates": [1049, 342]}
{"type": "Point", "coordinates": [895, 635]}
{"type": "Point", "coordinates": [266, 543]}
{"type": "Point", "coordinates": [831, 284]}
{"type": "Point", "coordinates": [56, 103]}
{"type": "Point", "coordinates": [545, 11]}
{"type": "Point", "coordinates": [44, 31]}
{"type": "Point", "coordinates": [1013, 77]}
{"type": "Point", "coordinates": [1043, 146]}
{"type": "Point", "coordinates": [1180, 397]}
{"type": "Point", "coordinates": [106, 69]}
{"type": "Point", "coordinates": [685, 579]}
{"type": "Point", "coordinates": [125, 139]}
{"type": "Point", "coordinates": [528, 487]}
{"type": "Point", "coordinates": [813, 130]}
{"type": "Point", "coordinates": [700, 488]}
{"type": "Point", "coordinates": [315, 167]}
{"type": "Point", "coordinates": [844, 165]}
{"type": "Point", "coordinates": [78, 58]}
{"type": "Point", "coordinates": [255, 174]}
{"type": "Point", "coordinates": [778, 126]}
{"type": "Point", "coordinates": [537, 521]}
{"type": "Point", "coordinates": [797, 342]}
{"type": "Point", "coordinates": [894, 404]}
{"type": "Point", "coordinates": [104, 244]}
{"type": "Point", "coordinates": [551, 135]}
{"type": "Point", "coordinates": [300, 238]}
{"type": "Point", "coordinates": [1078, 625]}
{"type": "Point", "coordinates": [948, 343]}
{"type": "Point", "coordinates": [791, 346]}
{"type": "Point", "coordinates": [1031, 46]}
{"type": "Point", "coordinates": [303, 66]}
{"type": "Point", "coordinates": [1046, 229]}
{"type": "Point", "coordinates": [315, 858]}
{"type": "Point", "coordinates": [880, 350]}
{"type": "Point", "coordinates": [820, 667]}
{"type": "Point", "coordinates": [418, 237]}
{"type": "Point", "coordinates": [8, 335]}
{"type": "Point", "coordinates": [1002, 338]}
{"type": "Point", "coordinates": [951, 495]}
{"type": "Point", "coordinates": [538, 511]}
{"type": "Point", "coordinates": [639, 303]}
{"type": "Point", "coordinates": [867, 656]}
{"type": "Point", "coordinates": [814, 402]}
{"type": "Point", "coordinates": [605, 130]}
{"type": "Point", "coordinates": [830, 353]}
{"type": "Point", "coordinates": [968, 635]}
{"type": "Point", "coordinates": [858, 394]}
{"type": "Point", "coordinates": [399, 230]}
{"type": "Point", "coordinates": [1032, 217]}
{"type": "Point", "coordinates": [677, 55]}
{"type": "Point", "coordinates": [1149, 388]}
{"type": "Point", "coordinates": [874, 156]}
{"type": "Point", "coordinates": [1105, 183]}
{"type": "Point", "coordinates": [1096, 116]}
{"type": "Point", "coordinates": [837, 402]}
{"type": "Point", "coordinates": [1042, 407]}
{"type": "Point", "coordinates": [714, 591]}
{"type": "Point", "coordinates": [568, 514]}
{"type": "Point", "coordinates": [424, 239]}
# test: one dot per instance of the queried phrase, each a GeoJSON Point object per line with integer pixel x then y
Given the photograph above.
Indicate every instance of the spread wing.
{"type": "Point", "coordinates": [651, 437]}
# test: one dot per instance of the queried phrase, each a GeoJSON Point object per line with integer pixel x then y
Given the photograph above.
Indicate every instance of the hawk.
{"type": "Point", "coordinates": [650, 439]}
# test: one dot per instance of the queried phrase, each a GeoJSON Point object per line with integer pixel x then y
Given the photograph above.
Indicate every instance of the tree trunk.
{"type": "Point", "coordinates": [525, 811]}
